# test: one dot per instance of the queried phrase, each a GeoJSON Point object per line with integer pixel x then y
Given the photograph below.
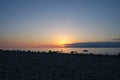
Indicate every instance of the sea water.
{"type": "Point", "coordinates": [110, 51]}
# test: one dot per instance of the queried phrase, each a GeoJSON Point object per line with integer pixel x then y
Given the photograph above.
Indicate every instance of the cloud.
{"type": "Point", "coordinates": [116, 39]}
{"type": "Point", "coordinates": [94, 45]}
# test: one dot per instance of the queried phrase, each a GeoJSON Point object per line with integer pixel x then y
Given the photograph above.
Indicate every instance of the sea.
{"type": "Point", "coordinates": [109, 51]}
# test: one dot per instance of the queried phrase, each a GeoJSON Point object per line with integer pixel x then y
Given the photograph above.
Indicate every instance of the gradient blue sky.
{"type": "Point", "coordinates": [31, 23]}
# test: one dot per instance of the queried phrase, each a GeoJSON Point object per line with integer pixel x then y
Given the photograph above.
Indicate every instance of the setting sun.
{"type": "Point", "coordinates": [62, 42]}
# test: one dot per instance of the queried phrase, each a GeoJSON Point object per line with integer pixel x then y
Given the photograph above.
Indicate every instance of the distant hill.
{"type": "Point", "coordinates": [94, 45]}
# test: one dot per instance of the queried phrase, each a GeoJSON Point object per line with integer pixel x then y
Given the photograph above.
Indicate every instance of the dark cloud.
{"type": "Point", "coordinates": [116, 39]}
{"type": "Point", "coordinates": [94, 45]}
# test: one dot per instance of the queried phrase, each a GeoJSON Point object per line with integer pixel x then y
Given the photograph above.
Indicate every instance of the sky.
{"type": "Point", "coordinates": [49, 23]}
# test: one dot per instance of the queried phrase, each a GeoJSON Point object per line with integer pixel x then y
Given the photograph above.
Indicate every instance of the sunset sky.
{"type": "Point", "coordinates": [51, 23]}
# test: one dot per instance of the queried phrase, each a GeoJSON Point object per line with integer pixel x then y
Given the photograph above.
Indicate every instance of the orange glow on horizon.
{"type": "Point", "coordinates": [21, 42]}
{"type": "Point", "coordinates": [62, 43]}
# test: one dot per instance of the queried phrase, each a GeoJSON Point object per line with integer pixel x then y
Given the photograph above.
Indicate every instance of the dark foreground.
{"type": "Point", "coordinates": [20, 65]}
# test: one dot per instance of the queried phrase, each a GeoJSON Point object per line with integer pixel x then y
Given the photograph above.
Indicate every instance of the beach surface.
{"type": "Point", "coordinates": [27, 65]}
